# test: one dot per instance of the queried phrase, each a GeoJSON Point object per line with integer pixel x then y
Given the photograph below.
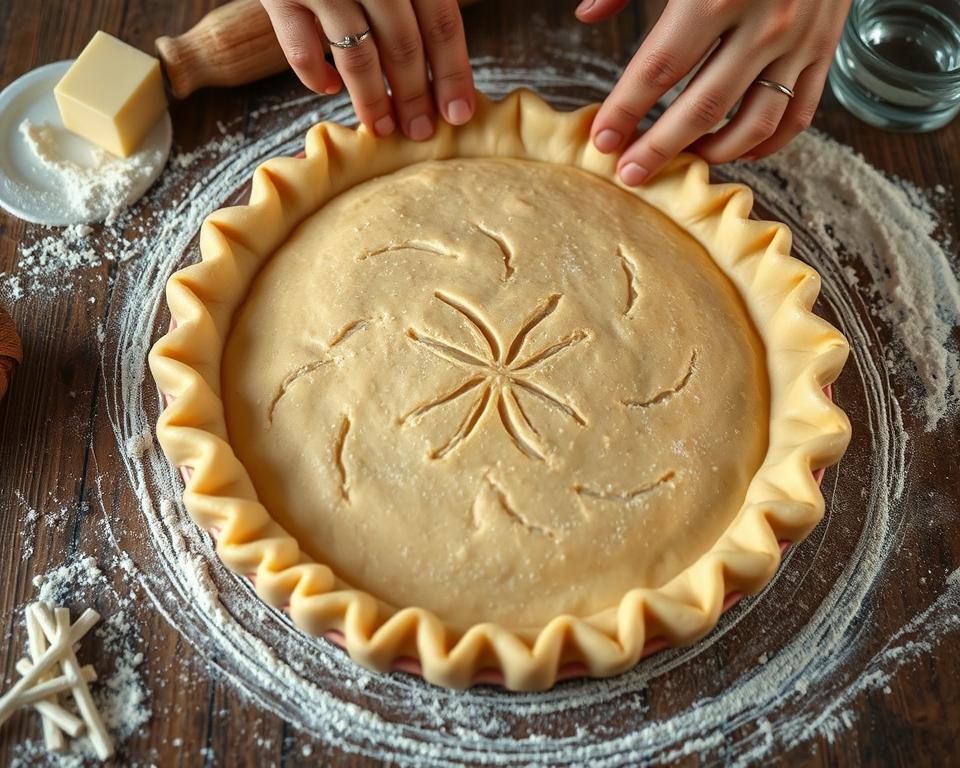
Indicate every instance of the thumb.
{"type": "Point", "coordinates": [590, 11]}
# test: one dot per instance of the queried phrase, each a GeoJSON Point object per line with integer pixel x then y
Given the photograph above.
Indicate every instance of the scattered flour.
{"type": "Point", "coordinates": [119, 692]}
{"type": "Point", "coordinates": [61, 585]}
{"type": "Point", "coordinates": [71, 249]}
{"type": "Point", "coordinates": [12, 286]}
{"type": "Point", "coordinates": [884, 233]}
{"type": "Point", "coordinates": [780, 701]}
{"type": "Point", "coordinates": [56, 260]}
{"type": "Point", "coordinates": [875, 242]}
{"type": "Point", "coordinates": [137, 445]}
{"type": "Point", "coordinates": [31, 519]}
{"type": "Point", "coordinates": [49, 264]}
{"type": "Point", "coordinates": [105, 184]}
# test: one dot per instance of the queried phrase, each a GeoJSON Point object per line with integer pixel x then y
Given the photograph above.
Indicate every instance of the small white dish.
{"type": "Point", "coordinates": [33, 191]}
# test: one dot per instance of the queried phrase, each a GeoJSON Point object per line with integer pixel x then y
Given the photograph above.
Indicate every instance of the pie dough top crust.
{"type": "Point", "coordinates": [460, 408]}
{"type": "Point", "coordinates": [802, 354]}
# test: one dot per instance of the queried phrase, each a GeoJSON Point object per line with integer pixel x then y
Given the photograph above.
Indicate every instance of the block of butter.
{"type": "Point", "coordinates": [112, 95]}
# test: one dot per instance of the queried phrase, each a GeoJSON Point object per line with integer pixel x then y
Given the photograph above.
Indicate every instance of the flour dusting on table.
{"type": "Point", "coordinates": [119, 693]}
{"type": "Point", "coordinates": [885, 235]}
{"type": "Point", "coordinates": [890, 285]}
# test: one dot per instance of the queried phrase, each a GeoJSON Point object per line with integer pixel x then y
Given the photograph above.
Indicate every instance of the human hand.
{"type": "Point", "coordinates": [790, 42]}
{"type": "Point", "coordinates": [404, 36]}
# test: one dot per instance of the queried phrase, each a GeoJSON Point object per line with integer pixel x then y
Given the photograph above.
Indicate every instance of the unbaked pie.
{"type": "Point", "coordinates": [473, 403]}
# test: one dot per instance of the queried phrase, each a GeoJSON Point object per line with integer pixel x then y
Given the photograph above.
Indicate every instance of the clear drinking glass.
{"type": "Point", "coordinates": [898, 63]}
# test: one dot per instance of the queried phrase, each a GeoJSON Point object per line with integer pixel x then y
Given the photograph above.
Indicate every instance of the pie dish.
{"type": "Point", "coordinates": [473, 403]}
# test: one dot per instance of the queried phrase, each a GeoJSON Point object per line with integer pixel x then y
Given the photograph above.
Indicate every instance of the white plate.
{"type": "Point", "coordinates": [29, 189]}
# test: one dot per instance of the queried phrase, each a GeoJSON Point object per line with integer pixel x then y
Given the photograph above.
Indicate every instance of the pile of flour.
{"type": "Point", "coordinates": [105, 184]}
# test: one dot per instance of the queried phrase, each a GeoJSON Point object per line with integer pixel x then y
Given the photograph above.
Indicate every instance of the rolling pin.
{"type": "Point", "coordinates": [233, 44]}
{"type": "Point", "coordinates": [11, 353]}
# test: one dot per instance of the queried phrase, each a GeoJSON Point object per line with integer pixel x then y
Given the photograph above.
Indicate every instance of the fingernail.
{"type": "Point", "coordinates": [384, 126]}
{"type": "Point", "coordinates": [421, 128]}
{"type": "Point", "coordinates": [608, 140]}
{"type": "Point", "coordinates": [748, 158]}
{"type": "Point", "coordinates": [633, 175]}
{"type": "Point", "coordinates": [585, 6]}
{"type": "Point", "coordinates": [458, 111]}
{"type": "Point", "coordinates": [332, 90]}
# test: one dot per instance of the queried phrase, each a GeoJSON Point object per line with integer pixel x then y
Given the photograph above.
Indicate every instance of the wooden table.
{"type": "Point", "coordinates": [57, 449]}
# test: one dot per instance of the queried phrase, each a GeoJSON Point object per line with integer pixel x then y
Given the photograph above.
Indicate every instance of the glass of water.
{"type": "Point", "coordinates": [898, 63]}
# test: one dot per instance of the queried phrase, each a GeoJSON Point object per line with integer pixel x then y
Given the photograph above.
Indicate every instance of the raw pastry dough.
{"type": "Point", "coordinates": [485, 411]}
{"type": "Point", "coordinates": [459, 408]}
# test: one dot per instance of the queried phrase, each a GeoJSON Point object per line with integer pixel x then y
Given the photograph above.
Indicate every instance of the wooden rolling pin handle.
{"type": "Point", "coordinates": [232, 45]}
{"type": "Point", "coordinates": [11, 353]}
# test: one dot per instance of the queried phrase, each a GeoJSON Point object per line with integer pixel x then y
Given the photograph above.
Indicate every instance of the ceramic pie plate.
{"type": "Point", "coordinates": [803, 356]}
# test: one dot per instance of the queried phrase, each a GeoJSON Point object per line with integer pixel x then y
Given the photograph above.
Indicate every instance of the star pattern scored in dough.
{"type": "Point", "coordinates": [496, 379]}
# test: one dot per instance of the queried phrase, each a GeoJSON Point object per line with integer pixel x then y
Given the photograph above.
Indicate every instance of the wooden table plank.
{"type": "Point", "coordinates": [45, 421]}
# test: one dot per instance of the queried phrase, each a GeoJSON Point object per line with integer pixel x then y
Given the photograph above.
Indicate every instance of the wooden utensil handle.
{"type": "Point", "coordinates": [232, 45]}
{"type": "Point", "coordinates": [10, 351]}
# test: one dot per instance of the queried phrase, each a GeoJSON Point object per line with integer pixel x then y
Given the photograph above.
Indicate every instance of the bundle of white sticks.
{"type": "Point", "coordinates": [52, 671]}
